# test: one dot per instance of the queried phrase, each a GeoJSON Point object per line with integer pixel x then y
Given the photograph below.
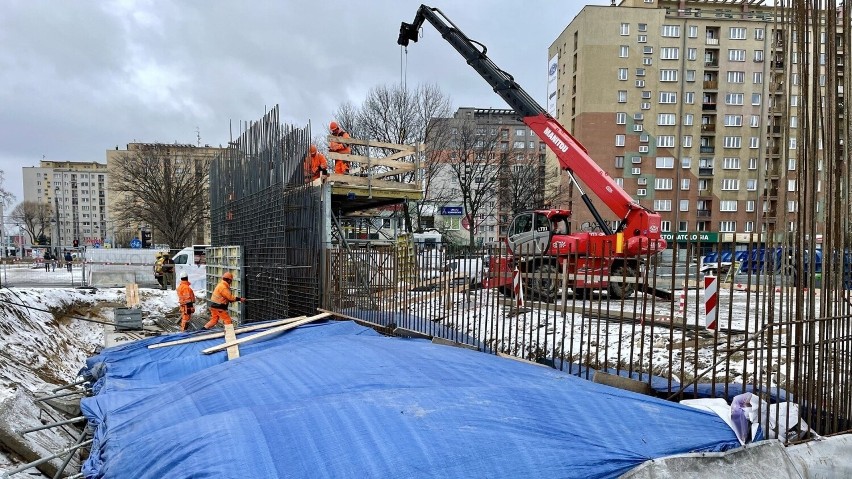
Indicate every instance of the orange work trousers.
{"type": "Point", "coordinates": [185, 315]}
{"type": "Point", "coordinates": [216, 316]}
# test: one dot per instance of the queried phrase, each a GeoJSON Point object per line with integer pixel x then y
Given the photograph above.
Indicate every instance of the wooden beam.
{"type": "Point", "coordinates": [132, 295]}
{"type": "Point", "coordinates": [384, 161]}
{"type": "Point", "coordinates": [231, 337]}
{"type": "Point", "coordinates": [374, 143]}
{"type": "Point", "coordinates": [375, 184]}
{"type": "Point", "coordinates": [205, 337]}
{"type": "Point", "coordinates": [269, 332]}
{"type": "Point", "coordinates": [360, 321]}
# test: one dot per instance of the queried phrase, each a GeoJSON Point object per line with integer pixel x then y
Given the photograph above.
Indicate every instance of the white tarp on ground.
{"type": "Point", "coordinates": [825, 458]}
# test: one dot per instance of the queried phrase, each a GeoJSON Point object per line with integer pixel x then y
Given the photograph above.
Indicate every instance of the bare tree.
{"type": "Point", "coordinates": [395, 114]}
{"type": "Point", "coordinates": [164, 187]}
{"type": "Point", "coordinates": [525, 184]}
{"type": "Point", "coordinates": [34, 218]}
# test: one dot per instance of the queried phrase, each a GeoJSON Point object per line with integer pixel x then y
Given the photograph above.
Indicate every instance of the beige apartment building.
{"type": "Point", "coordinates": [691, 106]}
{"type": "Point", "coordinates": [77, 191]}
{"type": "Point", "coordinates": [179, 153]}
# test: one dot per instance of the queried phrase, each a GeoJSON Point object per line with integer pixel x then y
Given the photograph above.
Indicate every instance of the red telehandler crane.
{"type": "Point", "coordinates": [606, 259]}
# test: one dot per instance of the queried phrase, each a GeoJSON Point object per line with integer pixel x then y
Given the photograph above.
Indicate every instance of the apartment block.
{"type": "Point", "coordinates": [77, 191]}
{"type": "Point", "coordinates": [692, 106]}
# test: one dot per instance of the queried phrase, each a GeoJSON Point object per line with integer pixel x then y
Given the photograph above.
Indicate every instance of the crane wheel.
{"type": "Point", "coordinates": [544, 284]}
{"type": "Point", "coordinates": [622, 290]}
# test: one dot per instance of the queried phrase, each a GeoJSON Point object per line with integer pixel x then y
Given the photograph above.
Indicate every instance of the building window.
{"type": "Point", "coordinates": [671, 31]}
{"type": "Point", "coordinates": [647, 50]}
{"type": "Point", "coordinates": [754, 142]}
{"type": "Point", "coordinates": [642, 27]}
{"type": "Point", "coordinates": [684, 184]}
{"type": "Point", "coordinates": [636, 160]}
{"type": "Point", "coordinates": [622, 74]}
{"type": "Point", "coordinates": [736, 55]}
{"type": "Point", "coordinates": [733, 142]}
{"type": "Point", "coordinates": [668, 97]}
{"type": "Point", "coordinates": [663, 205]}
{"type": "Point", "coordinates": [749, 226]}
{"type": "Point", "coordinates": [623, 51]}
{"type": "Point", "coordinates": [727, 226]}
{"type": "Point", "coordinates": [731, 163]}
{"type": "Point", "coordinates": [688, 119]}
{"type": "Point", "coordinates": [519, 144]}
{"type": "Point", "coordinates": [794, 100]}
{"type": "Point", "coordinates": [730, 184]}
{"type": "Point", "coordinates": [669, 53]}
{"type": "Point", "coordinates": [758, 56]}
{"type": "Point", "coordinates": [625, 29]}
{"type": "Point", "coordinates": [751, 185]}
{"type": "Point", "coordinates": [752, 163]}
{"type": "Point", "coordinates": [621, 118]}
{"type": "Point", "coordinates": [640, 72]}
{"type": "Point", "coordinates": [727, 205]}
{"type": "Point", "coordinates": [794, 122]}
{"type": "Point", "coordinates": [736, 77]}
{"type": "Point", "coordinates": [691, 53]}
{"type": "Point", "coordinates": [663, 183]}
{"type": "Point", "coordinates": [665, 162]}
{"type": "Point", "coordinates": [757, 78]}
{"type": "Point", "coordinates": [619, 162]}
{"type": "Point", "coordinates": [666, 141]}
{"type": "Point", "coordinates": [668, 75]}
{"type": "Point", "coordinates": [733, 120]}
{"type": "Point", "coordinates": [693, 31]}
{"type": "Point", "coordinates": [686, 141]}
{"type": "Point", "coordinates": [665, 226]}
{"type": "Point", "coordinates": [749, 206]}
{"type": "Point", "coordinates": [646, 95]}
{"type": "Point", "coordinates": [758, 33]}
{"type": "Point", "coordinates": [755, 121]}
{"type": "Point", "coordinates": [737, 33]}
{"type": "Point", "coordinates": [666, 119]}
{"type": "Point", "coordinates": [734, 98]}
{"type": "Point", "coordinates": [791, 185]}
{"type": "Point", "coordinates": [689, 97]}
{"type": "Point", "coordinates": [642, 39]}
{"type": "Point", "coordinates": [690, 75]}
{"type": "Point", "coordinates": [647, 61]}
{"type": "Point", "coordinates": [755, 98]}
{"type": "Point", "coordinates": [619, 140]}
{"type": "Point", "coordinates": [622, 96]}
{"type": "Point", "coordinates": [684, 205]}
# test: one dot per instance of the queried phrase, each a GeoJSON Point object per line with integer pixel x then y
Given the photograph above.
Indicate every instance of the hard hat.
{"type": "Point", "coordinates": [333, 126]}
{"type": "Point", "coordinates": [184, 275]}
{"type": "Point", "coordinates": [313, 149]}
{"type": "Point", "coordinates": [159, 254]}
{"type": "Point", "coordinates": [228, 276]}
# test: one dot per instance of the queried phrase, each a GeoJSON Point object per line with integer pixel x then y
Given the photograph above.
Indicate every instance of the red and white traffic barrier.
{"type": "Point", "coordinates": [711, 301]}
{"type": "Point", "coordinates": [681, 304]}
{"type": "Point", "coordinates": [518, 286]}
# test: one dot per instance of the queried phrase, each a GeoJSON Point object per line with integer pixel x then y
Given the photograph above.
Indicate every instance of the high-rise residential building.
{"type": "Point", "coordinates": [77, 193]}
{"type": "Point", "coordinates": [692, 106]}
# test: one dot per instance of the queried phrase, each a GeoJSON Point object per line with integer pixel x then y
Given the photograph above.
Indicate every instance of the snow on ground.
{"type": "Point", "coordinates": [43, 343]}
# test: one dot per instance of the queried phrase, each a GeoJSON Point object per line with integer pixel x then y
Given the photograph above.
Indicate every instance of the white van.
{"type": "Point", "coordinates": [192, 260]}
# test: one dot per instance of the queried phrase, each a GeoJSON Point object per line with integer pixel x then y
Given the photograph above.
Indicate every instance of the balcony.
{"type": "Point", "coordinates": [711, 128]}
{"type": "Point", "coordinates": [704, 171]}
{"type": "Point", "coordinates": [711, 41]}
{"type": "Point", "coordinates": [707, 193]}
{"type": "Point", "coordinates": [708, 106]}
{"type": "Point", "coordinates": [711, 85]}
{"type": "Point", "coordinates": [707, 149]}
{"type": "Point", "coordinates": [775, 129]}
{"type": "Point", "coordinates": [778, 64]}
{"type": "Point", "coordinates": [702, 213]}
{"type": "Point", "coordinates": [711, 63]}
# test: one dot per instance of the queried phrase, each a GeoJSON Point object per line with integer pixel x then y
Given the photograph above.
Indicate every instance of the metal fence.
{"type": "Point", "coordinates": [783, 326]}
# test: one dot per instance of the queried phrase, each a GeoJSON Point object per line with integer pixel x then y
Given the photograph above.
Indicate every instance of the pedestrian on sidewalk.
{"type": "Point", "coordinates": [68, 260]}
{"type": "Point", "coordinates": [220, 300]}
{"type": "Point", "coordinates": [47, 259]}
{"type": "Point", "coordinates": [186, 299]}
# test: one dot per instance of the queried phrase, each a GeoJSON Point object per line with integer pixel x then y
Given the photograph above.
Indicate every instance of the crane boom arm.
{"type": "Point", "coordinates": [636, 219]}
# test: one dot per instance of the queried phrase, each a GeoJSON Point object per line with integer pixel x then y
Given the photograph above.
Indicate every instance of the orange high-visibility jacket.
{"type": "Point", "coordinates": [313, 164]}
{"type": "Point", "coordinates": [222, 296]}
{"type": "Point", "coordinates": [185, 293]}
{"type": "Point", "coordinates": [341, 148]}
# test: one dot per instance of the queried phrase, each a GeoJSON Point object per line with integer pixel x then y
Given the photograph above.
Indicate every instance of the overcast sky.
{"type": "Point", "coordinates": [80, 77]}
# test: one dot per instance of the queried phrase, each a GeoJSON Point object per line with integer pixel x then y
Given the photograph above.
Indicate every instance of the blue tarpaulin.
{"type": "Point", "coordinates": [339, 400]}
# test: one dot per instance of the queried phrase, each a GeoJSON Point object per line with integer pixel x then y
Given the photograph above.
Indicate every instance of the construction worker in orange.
{"type": "Point", "coordinates": [341, 167]}
{"type": "Point", "coordinates": [186, 300]}
{"type": "Point", "coordinates": [219, 301]}
{"type": "Point", "coordinates": [316, 165]}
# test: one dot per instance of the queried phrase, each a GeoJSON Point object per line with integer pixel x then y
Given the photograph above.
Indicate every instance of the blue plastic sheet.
{"type": "Point", "coordinates": [338, 400]}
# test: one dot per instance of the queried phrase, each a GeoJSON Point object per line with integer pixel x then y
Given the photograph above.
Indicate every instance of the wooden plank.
{"type": "Point", "coordinates": [399, 171]}
{"type": "Point", "coordinates": [374, 143]}
{"type": "Point", "coordinates": [366, 160]}
{"type": "Point", "coordinates": [360, 321]}
{"type": "Point", "coordinates": [132, 295]}
{"type": "Point", "coordinates": [231, 337]}
{"type": "Point", "coordinates": [269, 332]}
{"type": "Point", "coordinates": [375, 184]}
{"type": "Point", "coordinates": [205, 337]}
